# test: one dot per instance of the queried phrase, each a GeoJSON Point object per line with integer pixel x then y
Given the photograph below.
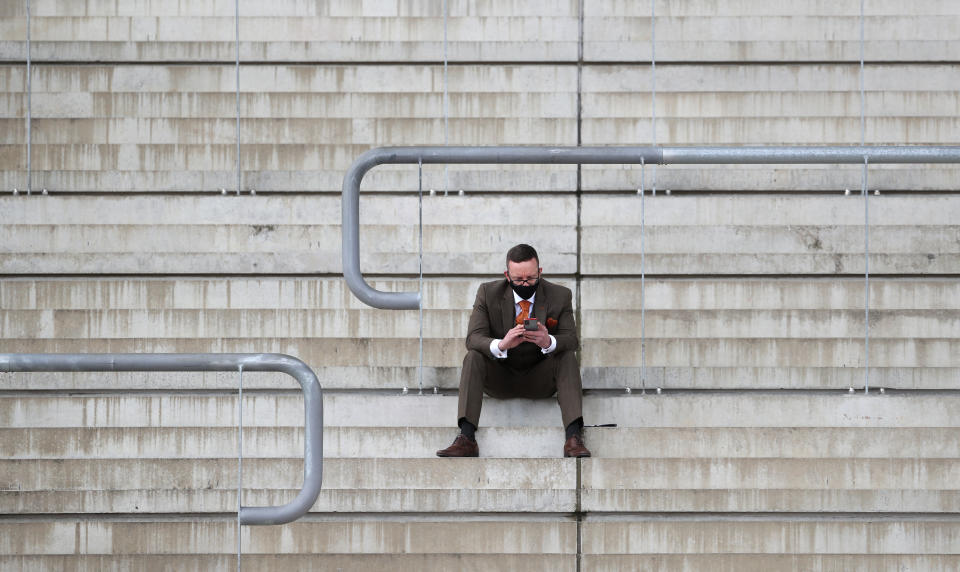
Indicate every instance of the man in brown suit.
{"type": "Point", "coordinates": [504, 359]}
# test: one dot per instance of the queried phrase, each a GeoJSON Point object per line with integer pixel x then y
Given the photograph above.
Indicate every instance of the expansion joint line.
{"type": "Point", "coordinates": [237, 24]}
{"type": "Point", "coordinates": [866, 276]}
{"type": "Point", "coordinates": [239, 463]}
{"type": "Point", "coordinates": [579, 513]}
{"type": "Point", "coordinates": [866, 217]}
{"type": "Point", "coordinates": [420, 264]}
{"type": "Point", "coordinates": [29, 109]}
{"type": "Point", "coordinates": [236, 18]}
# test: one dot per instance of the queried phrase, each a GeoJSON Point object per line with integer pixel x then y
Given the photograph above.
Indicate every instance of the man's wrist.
{"type": "Point", "coordinates": [495, 349]}
{"type": "Point", "coordinates": [551, 346]}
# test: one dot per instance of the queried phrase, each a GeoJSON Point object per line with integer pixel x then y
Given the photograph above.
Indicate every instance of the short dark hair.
{"type": "Point", "coordinates": [522, 253]}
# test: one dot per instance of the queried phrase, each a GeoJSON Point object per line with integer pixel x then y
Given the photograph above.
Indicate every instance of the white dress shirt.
{"type": "Point", "coordinates": [495, 344]}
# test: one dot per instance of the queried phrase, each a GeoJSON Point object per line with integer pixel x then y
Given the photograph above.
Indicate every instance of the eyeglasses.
{"type": "Point", "coordinates": [525, 281]}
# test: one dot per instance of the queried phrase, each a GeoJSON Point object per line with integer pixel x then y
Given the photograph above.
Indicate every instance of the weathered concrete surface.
{"type": "Point", "coordinates": [202, 442]}
{"type": "Point", "coordinates": [318, 562]}
{"type": "Point", "coordinates": [771, 536]}
{"type": "Point", "coordinates": [314, 537]}
{"type": "Point", "coordinates": [287, 30]}
{"type": "Point", "coordinates": [780, 332]}
{"type": "Point", "coordinates": [681, 409]}
{"type": "Point", "coordinates": [173, 127]}
{"type": "Point", "coordinates": [349, 485]}
{"type": "Point", "coordinates": [767, 562]}
{"type": "Point", "coordinates": [771, 235]}
{"type": "Point", "coordinates": [840, 482]}
{"type": "Point", "coordinates": [274, 235]}
{"type": "Point", "coordinates": [701, 234]}
{"type": "Point", "coordinates": [779, 30]}
{"type": "Point", "coordinates": [767, 104]}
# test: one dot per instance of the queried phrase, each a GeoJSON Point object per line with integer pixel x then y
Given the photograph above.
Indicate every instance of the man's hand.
{"type": "Point", "coordinates": [513, 338]}
{"type": "Point", "coordinates": [540, 336]}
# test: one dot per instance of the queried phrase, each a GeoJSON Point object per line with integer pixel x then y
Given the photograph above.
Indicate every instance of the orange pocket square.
{"type": "Point", "coordinates": [551, 323]}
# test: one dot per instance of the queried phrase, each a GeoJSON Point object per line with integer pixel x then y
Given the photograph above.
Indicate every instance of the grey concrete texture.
{"type": "Point", "coordinates": [686, 235]}
{"type": "Point", "coordinates": [763, 104]}
{"type": "Point", "coordinates": [767, 562]}
{"type": "Point", "coordinates": [766, 453]}
{"type": "Point", "coordinates": [336, 536]}
{"type": "Point", "coordinates": [707, 334]}
{"type": "Point", "coordinates": [732, 30]}
{"type": "Point", "coordinates": [760, 30]}
{"type": "Point", "coordinates": [308, 562]}
{"type": "Point", "coordinates": [772, 536]}
{"type": "Point", "coordinates": [172, 127]}
{"type": "Point", "coordinates": [770, 234]}
{"type": "Point", "coordinates": [287, 30]}
{"type": "Point", "coordinates": [275, 235]}
{"type": "Point", "coordinates": [350, 485]}
{"type": "Point", "coordinates": [355, 409]}
{"type": "Point", "coordinates": [610, 486]}
{"type": "Point", "coordinates": [341, 442]}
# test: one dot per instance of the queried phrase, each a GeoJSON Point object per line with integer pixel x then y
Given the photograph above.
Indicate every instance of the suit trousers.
{"type": "Point", "coordinates": [558, 373]}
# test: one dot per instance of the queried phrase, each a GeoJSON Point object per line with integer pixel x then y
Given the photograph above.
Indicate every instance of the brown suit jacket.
{"type": "Point", "coordinates": [494, 314]}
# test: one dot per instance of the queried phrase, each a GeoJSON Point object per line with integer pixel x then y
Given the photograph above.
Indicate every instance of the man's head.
{"type": "Point", "coordinates": [523, 269]}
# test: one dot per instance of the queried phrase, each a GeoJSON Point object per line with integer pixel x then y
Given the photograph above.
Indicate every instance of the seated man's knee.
{"type": "Point", "coordinates": [473, 357]}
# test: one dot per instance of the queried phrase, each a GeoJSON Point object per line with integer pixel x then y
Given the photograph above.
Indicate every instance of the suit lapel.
{"type": "Point", "coordinates": [507, 310]}
{"type": "Point", "coordinates": [540, 304]}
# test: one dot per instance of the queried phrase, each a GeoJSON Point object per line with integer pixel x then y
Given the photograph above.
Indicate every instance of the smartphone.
{"type": "Point", "coordinates": [531, 324]}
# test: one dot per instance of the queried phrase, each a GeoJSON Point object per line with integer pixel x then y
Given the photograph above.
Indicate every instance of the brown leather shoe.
{"type": "Point", "coordinates": [574, 447]}
{"type": "Point", "coordinates": [462, 447]}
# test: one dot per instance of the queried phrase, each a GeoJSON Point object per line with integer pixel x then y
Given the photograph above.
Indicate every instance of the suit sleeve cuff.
{"type": "Point", "coordinates": [497, 353]}
{"type": "Point", "coordinates": [553, 345]}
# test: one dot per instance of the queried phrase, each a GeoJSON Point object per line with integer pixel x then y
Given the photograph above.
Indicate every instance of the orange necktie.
{"type": "Point", "coordinates": [524, 311]}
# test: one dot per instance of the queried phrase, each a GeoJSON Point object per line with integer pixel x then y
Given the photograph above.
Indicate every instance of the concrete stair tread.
{"type": "Point", "coordinates": [679, 409]}
{"type": "Point", "coordinates": [648, 443]}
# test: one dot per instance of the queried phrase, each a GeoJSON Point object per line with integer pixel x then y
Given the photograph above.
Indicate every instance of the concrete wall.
{"type": "Point", "coordinates": [754, 284]}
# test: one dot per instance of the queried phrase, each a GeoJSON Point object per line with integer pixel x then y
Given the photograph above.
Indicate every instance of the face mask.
{"type": "Point", "coordinates": [524, 290]}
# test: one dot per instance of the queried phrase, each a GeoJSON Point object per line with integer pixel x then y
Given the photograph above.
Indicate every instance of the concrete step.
{"type": "Point", "coordinates": [813, 535]}
{"type": "Point", "coordinates": [349, 485]}
{"type": "Point", "coordinates": [768, 562]}
{"type": "Point", "coordinates": [732, 31]}
{"type": "Point", "coordinates": [735, 544]}
{"type": "Point", "coordinates": [319, 562]}
{"type": "Point", "coordinates": [603, 326]}
{"type": "Point", "coordinates": [109, 485]}
{"type": "Point", "coordinates": [645, 444]}
{"type": "Point", "coordinates": [352, 107]}
{"type": "Point", "coordinates": [799, 104]}
{"type": "Point", "coordinates": [214, 234]}
{"type": "Point", "coordinates": [734, 235]}
{"type": "Point", "coordinates": [393, 378]}
{"type": "Point", "coordinates": [671, 409]}
{"type": "Point", "coordinates": [737, 30]}
{"type": "Point", "coordinates": [337, 537]}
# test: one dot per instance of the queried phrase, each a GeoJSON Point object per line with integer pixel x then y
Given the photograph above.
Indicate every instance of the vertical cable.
{"type": "Point", "coordinates": [239, 461]}
{"type": "Point", "coordinates": [420, 259]}
{"type": "Point", "coordinates": [866, 219]}
{"type": "Point", "coordinates": [866, 277]}
{"type": "Point", "coordinates": [643, 288]}
{"type": "Point", "coordinates": [862, 97]}
{"type": "Point", "coordinates": [653, 84]}
{"type": "Point", "coordinates": [29, 110]}
{"type": "Point", "coordinates": [237, 22]}
{"type": "Point", "coordinates": [446, 102]}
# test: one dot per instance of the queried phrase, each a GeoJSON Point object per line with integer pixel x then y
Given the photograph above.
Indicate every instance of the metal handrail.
{"type": "Point", "coordinates": [309, 385]}
{"type": "Point", "coordinates": [586, 156]}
